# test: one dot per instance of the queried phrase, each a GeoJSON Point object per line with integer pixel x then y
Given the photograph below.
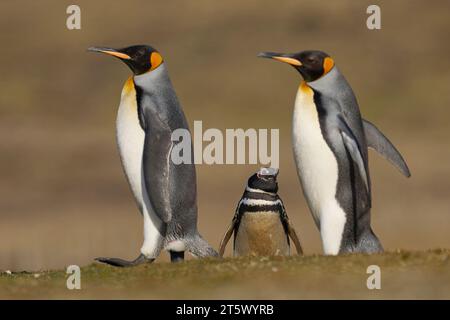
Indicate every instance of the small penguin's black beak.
{"type": "Point", "coordinates": [283, 57]}
{"type": "Point", "coordinates": [112, 52]}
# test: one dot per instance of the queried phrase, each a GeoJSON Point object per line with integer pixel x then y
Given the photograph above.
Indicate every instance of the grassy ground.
{"type": "Point", "coordinates": [424, 275]}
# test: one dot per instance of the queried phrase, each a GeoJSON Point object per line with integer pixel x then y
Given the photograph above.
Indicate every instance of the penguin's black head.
{"type": "Point", "coordinates": [265, 179]}
{"type": "Point", "coordinates": [312, 64]}
{"type": "Point", "coordinates": [140, 58]}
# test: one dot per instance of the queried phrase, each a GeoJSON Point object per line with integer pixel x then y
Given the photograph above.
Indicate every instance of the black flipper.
{"type": "Point", "coordinates": [117, 262]}
{"type": "Point", "coordinates": [171, 187]}
{"type": "Point", "coordinates": [159, 176]}
{"type": "Point", "coordinates": [232, 228]}
{"type": "Point", "coordinates": [290, 230]}
{"type": "Point", "coordinates": [226, 238]}
{"type": "Point", "coordinates": [378, 142]}
{"type": "Point", "coordinates": [353, 148]}
{"type": "Point", "coordinates": [294, 237]}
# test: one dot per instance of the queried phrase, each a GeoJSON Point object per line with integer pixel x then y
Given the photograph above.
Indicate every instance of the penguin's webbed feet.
{"type": "Point", "coordinates": [117, 262]}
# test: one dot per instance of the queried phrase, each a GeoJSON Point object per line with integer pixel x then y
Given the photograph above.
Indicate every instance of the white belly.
{"type": "Point", "coordinates": [318, 171]}
{"type": "Point", "coordinates": [130, 140]}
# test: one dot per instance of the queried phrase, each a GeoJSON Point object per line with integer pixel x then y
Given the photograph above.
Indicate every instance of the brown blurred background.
{"type": "Point", "coordinates": [64, 199]}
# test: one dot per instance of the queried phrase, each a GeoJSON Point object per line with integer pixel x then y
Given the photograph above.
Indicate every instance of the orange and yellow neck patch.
{"type": "Point", "coordinates": [328, 64]}
{"type": "Point", "coordinates": [155, 60]}
{"type": "Point", "coordinates": [305, 88]}
{"type": "Point", "coordinates": [128, 87]}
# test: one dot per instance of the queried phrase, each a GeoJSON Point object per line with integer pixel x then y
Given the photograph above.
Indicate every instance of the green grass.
{"type": "Point", "coordinates": [404, 275]}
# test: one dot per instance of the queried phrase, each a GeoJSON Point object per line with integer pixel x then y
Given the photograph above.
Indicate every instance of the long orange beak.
{"type": "Point", "coordinates": [283, 57]}
{"type": "Point", "coordinates": [111, 52]}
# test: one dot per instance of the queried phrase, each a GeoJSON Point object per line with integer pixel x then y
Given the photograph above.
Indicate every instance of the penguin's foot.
{"type": "Point", "coordinates": [117, 262]}
{"type": "Point", "coordinates": [176, 256]}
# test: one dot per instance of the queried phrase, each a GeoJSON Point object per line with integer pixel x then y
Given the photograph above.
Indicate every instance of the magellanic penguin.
{"type": "Point", "coordinates": [330, 141]}
{"type": "Point", "coordinates": [166, 193]}
{"type": "Point", "coordinates": [260, 225]}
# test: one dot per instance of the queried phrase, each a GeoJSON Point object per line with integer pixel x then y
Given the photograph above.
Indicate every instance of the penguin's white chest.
{"type": "Point", "coordinates": [318, 171]}
{"type": "Point", "coordinates": [130, 140]}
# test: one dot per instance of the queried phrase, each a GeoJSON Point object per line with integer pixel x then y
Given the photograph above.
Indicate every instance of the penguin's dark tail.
{"type": "Point", "coordinates": [199, 247]}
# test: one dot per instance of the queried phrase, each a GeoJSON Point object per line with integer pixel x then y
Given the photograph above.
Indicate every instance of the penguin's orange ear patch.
{"type": "Point", "coordinates": [328, 64]}
{"type": "Point", "coordinates": [155, 60]}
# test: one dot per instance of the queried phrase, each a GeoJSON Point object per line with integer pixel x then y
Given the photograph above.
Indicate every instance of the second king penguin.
{"type": "Point", "coordinates": [330, 141]}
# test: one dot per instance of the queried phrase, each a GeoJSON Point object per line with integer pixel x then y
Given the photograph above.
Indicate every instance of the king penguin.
{"type": "Point", "coordinates": [166, 194]}
{"type": "Point", "coordinates": [260, 225]}
{"type": "Point", "coordinates": [330, 141]}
